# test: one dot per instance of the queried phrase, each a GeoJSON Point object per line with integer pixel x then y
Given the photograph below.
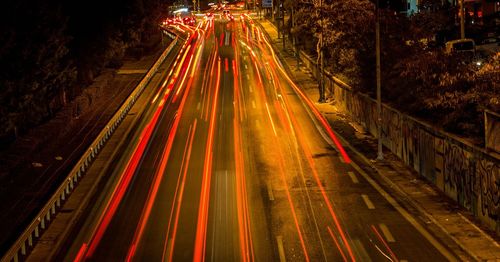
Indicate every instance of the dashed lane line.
{"type": "Point", "coordinates": [387, 234]}
{"type": "Point", "coordinates": [270, 191]}
{"type": "Point", "coordinates": [368, 202]}
{"type": "Point", "coordinates": [281, 250]}
{"type": "Point", "coordinates": [353, 177]}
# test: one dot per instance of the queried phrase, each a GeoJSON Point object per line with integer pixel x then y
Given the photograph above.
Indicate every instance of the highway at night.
{"type": "Point", "coordinates": [230, 161]}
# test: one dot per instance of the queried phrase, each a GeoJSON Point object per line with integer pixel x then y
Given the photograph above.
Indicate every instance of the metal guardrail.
{"type": "Point", "coordinates": [26, 241]}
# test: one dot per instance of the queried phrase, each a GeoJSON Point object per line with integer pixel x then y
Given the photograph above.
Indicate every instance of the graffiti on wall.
{"type": "Point", "coordinates": [489, 188]}
{"type": "Point", "coordinates": [458, 175]}
{"type": "Point", "coordinates": [471, 179]}
{"type": "Point", "coordinates": [474, 183]}
{"type": "Point", "coordinates": [492, 131]}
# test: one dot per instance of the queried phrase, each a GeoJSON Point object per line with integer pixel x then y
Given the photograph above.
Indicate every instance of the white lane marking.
{"type": "Point", "coordinates": [251, 89]}
{"type": "Point", "coordinates": [227, 38]}
{"type": "Point", "coordinates": [402, 211]}
{"type": "Point", "coordinates": [270, 190]}
{"type": "Point", "coordinates": [246, 67]}
{"type": "Point", "coordinates": [387, 234]}
{"type": "Point", "coordinates": [257, 123]}
{"type": "Point", "coordinates": [248, 76]}
{"type": "Point", "coordinates": [198, 106]}
{"type": "Point", "coordinates": [353, 177]}
{"type": "Point", "coordinates": [368, 202]}
{"type": "Point", "coordinates": [253, 104]}
{"type": "Point", "coordinates": [281, 250]}
{"type": "Point", "coordinates": [361, 251]}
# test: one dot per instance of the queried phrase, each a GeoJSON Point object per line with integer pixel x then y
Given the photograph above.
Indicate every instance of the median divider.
{"type": "Point", "coordinates": [26, 241]}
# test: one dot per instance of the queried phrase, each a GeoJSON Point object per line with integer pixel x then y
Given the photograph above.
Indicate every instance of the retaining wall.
{"type": "Point", "coordinates": [468, 174]}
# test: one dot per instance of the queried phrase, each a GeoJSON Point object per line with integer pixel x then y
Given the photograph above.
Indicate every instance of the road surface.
{"type": "Point", "coordinates": [231, 162]}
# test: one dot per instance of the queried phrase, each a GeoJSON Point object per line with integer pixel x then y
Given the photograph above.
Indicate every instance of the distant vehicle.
{"type": "Point", "coordinates": [191, 21]}
{"type": "Point", "coordinates": [170, 21]}
{"type": "Point", "coordinates": [461, 46]}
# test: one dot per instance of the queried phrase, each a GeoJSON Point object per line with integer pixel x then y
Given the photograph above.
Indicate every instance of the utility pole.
{"type": "Point", "coordinates": [294, 39]}
{"type": "Point", "coordinates": [380, 155]}
{"type": "Point", "coordinates": [278, 19]}
{"type": "Point", "coordinates": [321, 62]}
{"type": "Point", "coordinates": [283, 24]}
{"type": "Point", "coordinates": [272, 11]}
{"type": "Point", "coordinates": [462, 19]}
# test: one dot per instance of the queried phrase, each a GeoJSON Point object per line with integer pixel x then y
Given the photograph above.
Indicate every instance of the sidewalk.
{"type": "Point", "coordinates": [450, 223]}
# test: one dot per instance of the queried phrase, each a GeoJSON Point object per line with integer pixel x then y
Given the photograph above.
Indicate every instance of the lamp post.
{"type": "Point", "coordinates": [380, 155]}
{"type": "Point", "coordinates": [462, 19]}
{"type": "Point", "coordinates": [294, 39]}
{"type": "Point", "coordinates": [321, 61]}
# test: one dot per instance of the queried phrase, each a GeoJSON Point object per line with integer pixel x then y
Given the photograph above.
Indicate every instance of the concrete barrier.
{"type": "Point", "coordinates": [27, 239]}
{"type": "Point", "coordinates": [468, 174]}
{"type": "Point", "coordinates": [492, 131]}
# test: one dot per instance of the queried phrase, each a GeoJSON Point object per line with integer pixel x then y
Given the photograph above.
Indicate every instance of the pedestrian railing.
{"type": "Point", "coordinates": [19, 250]}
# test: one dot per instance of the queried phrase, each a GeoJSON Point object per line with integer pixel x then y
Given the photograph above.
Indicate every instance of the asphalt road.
{"type": "Point", "coordinates": [229, 164]}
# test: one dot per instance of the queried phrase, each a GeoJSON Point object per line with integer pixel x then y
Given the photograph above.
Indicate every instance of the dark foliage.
{"type": "Point", "coordinates": [417, 76]}
{"type": "Point", "coordinates": [50, 50]}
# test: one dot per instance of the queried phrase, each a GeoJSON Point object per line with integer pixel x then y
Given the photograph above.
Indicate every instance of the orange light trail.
{"type": "Point", "coordinates": [271, 119]}
{"type": "Point", "coordinates": [290, 203]}
{"type": "Point", "coordinates": [337, 244]}
{"type": "Point", "coordinates": [213, 67]}
{"type": "Point", "coordinates": [184, 76]}
{"type": "Point", "coordinates": [385, 243]}
{"type": "Point", "coordinates": [281, 163]}
{"type": "Point", "coordinates": [201, 230]}
{"type": "Point", "coordinates": [246, 245]}
{"type": "Point", "coordinates": [81, 253]}
{"type": "Point", "coordinates": [122, 186]}
{"type": "Point", "coordinates": [184, 167]}
{"type": "Point", "coordinates": [316, 112]}
{"type": "Point", "coordinates": [311, 162]}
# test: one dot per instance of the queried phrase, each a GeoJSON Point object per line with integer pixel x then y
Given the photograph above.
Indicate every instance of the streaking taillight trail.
{"type": "Point", "coordinates": [87, 250]}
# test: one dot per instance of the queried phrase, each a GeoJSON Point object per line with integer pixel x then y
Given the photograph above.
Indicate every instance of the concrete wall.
{"type": "Point", "coordinates": [491, 131]}
{"type": "Point", "coordinates": [464, 172]}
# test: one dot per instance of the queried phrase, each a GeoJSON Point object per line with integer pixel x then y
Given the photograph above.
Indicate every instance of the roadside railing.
{"type": "Point", "coordinates": [26, 241]}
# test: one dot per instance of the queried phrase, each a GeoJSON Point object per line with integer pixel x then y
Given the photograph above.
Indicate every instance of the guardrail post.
{"type": "Point", "coordinates": [23, 249]}
{"type": "Point", "coordinates": [30, 240]}
{"type": "Point", "coordinates": [58, 202]}
{"type": "Point", "coordinates": [42, 223]}
{"type": "Point", "coordinates": [16, 257]}
{"type": "Point", "coordinates": [37, 232]}
{"type": "Point", "coordinates": [63, 196]}
{"type": "Point", "coordinates": [53, 209]}
{"type": "Point", "coordinates": [48, 216]}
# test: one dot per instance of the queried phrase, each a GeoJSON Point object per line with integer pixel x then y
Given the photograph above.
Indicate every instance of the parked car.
{"type": "Point", "coordinates": [465, 45]}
